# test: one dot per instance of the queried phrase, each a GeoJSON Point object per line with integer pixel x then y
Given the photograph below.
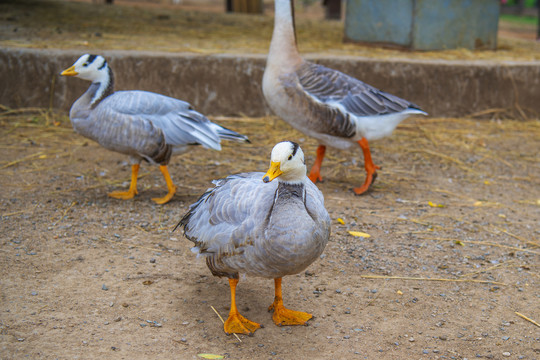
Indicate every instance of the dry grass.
{"type": "Point", "coordinates": [86, 26]}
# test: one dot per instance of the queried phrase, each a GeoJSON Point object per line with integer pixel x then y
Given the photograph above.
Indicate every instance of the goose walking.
{"type": "Point", "coordinates": [144, 125]}
{"type": "Point", "coordinates": [249, 224]}
{"type": "Point", "coordinates": [334, 108]}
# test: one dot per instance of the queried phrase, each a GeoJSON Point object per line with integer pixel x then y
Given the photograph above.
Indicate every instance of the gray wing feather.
{"type": "Point", "coordinates": [180, 124]}
{"type": "Point", "coordinates": [360, 99]}
{"type": "Point", "coordinates": [231, 214]}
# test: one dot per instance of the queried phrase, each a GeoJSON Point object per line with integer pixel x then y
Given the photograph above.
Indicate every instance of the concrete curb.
{"type": "Point", "coordinates": [231, 84]}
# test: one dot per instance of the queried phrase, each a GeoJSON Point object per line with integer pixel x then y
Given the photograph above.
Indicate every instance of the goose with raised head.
{"type": "Point", "coordinates": [141, 124]}
{"type": "Point", "coordinates": [252, 225]}
{"type": "Point", "coordinates": [332, 107]}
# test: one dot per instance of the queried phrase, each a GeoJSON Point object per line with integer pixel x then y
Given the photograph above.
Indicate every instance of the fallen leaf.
{"type": "Point", "coordinates": [399, 292]}
{"type": "Point", "coordinates": [43, 156]}
{"type": "Point", "coordinates": [359, 234]}
{"type": "Point", "coordinates": [487, 182]}
{"type": "Point", "coordinates": [210, 356]}
{"type": "Point", "coordinates": [147, 282]}
{"type": "Point", "coordinates": [458, 242]}
{"type": "Point", "coordinates": [435, 205]}
{"type": "Point", "coordinates": [340, 220]}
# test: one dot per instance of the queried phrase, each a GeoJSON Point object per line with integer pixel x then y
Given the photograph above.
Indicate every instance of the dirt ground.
{"type": "Point", "coordinates": [451, 262]}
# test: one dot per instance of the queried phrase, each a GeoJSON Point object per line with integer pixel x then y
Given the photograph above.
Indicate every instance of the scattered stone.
{"type": "Point", "coordinates": [443, 337]}
{"type": "Point", "coordinates": [33, 293]}
{"type": "Point", "coordinates": [118, 319]}
{"type": "Point", "coordinates": [506, 354]}
{"type": "Point", "coordinates": [152, 261]}
{"type": "Point", "coordinates": [104, 287]}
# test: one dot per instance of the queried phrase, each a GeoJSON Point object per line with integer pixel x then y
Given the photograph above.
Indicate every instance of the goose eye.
{"type": "Point", "coordinates": [85, 64]}
{"type": "Point", "coordinates": [290, 157]}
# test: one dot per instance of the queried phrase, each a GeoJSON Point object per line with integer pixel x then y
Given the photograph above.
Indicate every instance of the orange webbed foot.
{"type": "Point", "coordinates": [284, 317]}
{"type": "Point", "coordinates": [123, 195]}
{"type": "Point", "coordinates": [238, 324]}
{"type": "Point", "coordinates": [370, 179]}
{"type": "Point", "coordinates": [166, 198]}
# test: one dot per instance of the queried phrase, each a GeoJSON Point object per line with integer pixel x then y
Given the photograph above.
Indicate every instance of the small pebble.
{"type": "Point", "coordinates": [20, 339]}
{"type": "Point", "coordinates": [505, 338]}
{"type": "Point", "coordinates": [425, 351]}
{"type": "Point", "coordinates": [443, 338]}
{"type": "Point", "coordinates": [411, 339]}
{"type": "Point", "coordinates": [346, 337]}
{"type": "Point", "coordinates": [260, 345]}
{"type": "Point", "coordinates": [152, 261]}
{"type": "Point", "coordinates": [33, 293]}
{"type": "Point", "coordinates": [104, 287]}
{"type": "Point", "coordinates": [506, 354]}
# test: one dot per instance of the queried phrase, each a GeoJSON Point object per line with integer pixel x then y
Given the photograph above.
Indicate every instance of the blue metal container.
{"type": "Point", "coordinates": [424, 24]}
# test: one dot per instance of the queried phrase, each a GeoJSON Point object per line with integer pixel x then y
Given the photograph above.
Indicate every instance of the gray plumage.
{"type": "Point", "coordinates": [262, 229]}
{"type": "Point", "coordinates": [141, 124]}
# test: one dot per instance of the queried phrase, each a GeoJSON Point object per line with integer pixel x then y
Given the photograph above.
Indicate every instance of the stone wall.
{"type": "Point", "coordinates": [231, 84]}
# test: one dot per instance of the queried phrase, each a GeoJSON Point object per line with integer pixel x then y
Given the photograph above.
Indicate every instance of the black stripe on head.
{"type": "Point", "coordinates": [295, 147]}
{"type": "Point", "coordinates": [90, 60]}
{"type": "Point", "coordinates": [103, 65]}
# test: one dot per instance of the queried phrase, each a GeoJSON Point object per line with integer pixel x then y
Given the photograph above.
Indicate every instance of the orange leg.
{"type": "Point", "coordinates": [170, 186]}
{"type": "Point", "coordinates": [371, 168]}
{"type": "Point", "coordinates": [132, 191]}
{"type": "Point", "coordinates": [236, 323]}
{"type": "Point", "coordinates": [315, 173]}
{"type": "Point", "coordinates": [282, 315]}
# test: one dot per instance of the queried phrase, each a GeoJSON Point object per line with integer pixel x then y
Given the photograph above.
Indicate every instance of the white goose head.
{"type": "Point", "coordinates": [287, 163]}
{"type": "Point", "coordinates": [93, 68]}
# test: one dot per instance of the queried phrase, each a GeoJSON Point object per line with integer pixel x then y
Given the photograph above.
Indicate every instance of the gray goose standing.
{"type": "Point", "coordinates": [334, 108]}
{"type": "Point", "coordinates": [144, 125]}
{"type": "Point", "coordinates": [249, 224]}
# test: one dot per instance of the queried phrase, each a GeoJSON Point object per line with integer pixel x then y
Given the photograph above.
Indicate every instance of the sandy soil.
{"type": "Point", "coordinates": [452, 260]}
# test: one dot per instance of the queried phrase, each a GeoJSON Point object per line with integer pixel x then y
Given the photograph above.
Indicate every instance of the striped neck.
{"type": "Point", "coordinates": [105, 87]}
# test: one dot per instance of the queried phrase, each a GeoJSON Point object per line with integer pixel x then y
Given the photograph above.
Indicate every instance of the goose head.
{"type": "Point", "coordinates": [287, 163]}
{"type": "Point", "coordinates": [93, 68]}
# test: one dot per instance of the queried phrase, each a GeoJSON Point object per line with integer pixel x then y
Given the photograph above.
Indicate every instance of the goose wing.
{"type": "Point", "coordinates": [348, 94]}
{"type": "Point", "coordinates": [230, 215]}
{"type": "Point", "coordinates": [180, 124]}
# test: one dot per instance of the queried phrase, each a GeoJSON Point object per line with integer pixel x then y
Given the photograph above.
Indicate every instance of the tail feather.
{"type": "Point", "coordinates": [227, 134]}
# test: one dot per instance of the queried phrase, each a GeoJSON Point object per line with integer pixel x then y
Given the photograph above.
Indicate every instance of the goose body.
{"type": "Point", "coordinates": [330, 106]}
{"type": "Point", "coordinates": [251, 225]}
{"type": "Point", "coordinates": [141, 124]}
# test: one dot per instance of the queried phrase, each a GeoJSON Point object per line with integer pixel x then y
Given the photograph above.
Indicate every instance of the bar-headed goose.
{"type": "Point", "coordinates": [249, 224]}
{"type": "Point", "coordinates": [332, 107]}
{"type": "Point", "coordinates": [144, 125]}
